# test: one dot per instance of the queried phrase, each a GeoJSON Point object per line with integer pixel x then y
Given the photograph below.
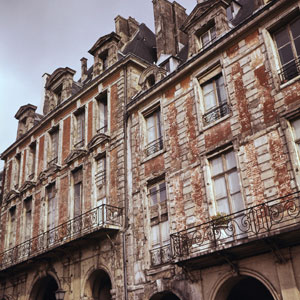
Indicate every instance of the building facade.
{"type": "Point", "coordinates": [170, 170]}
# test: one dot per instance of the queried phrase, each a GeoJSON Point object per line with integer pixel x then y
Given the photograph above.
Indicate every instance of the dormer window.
{"type": "Point", "coordinates": [58, 94]}
{"type": "Point", "coordinates": [207, 36]}
{"type": "Point", "coordinates": [150, 81]}
{"type": "Point", "coordinates": [104, 60]}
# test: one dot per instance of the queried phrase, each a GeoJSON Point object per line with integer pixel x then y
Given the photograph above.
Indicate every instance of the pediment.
{"type": "Point", "coordinates": [27, 185]}
{"type": "Point", "coordinates": [57, 74]}
{"type": "Point", "coordinates": [157, 72]}
{"type": "Point", "coordinates": [75, 154]}
{"type": "Point", "coordinates": [102, 40]}
{"type": "Point", "coordinates": [199, 10]}
{"type": "Point", "coordinates": [98, 139]}
{"type": "Point", "coordinates": [11, 195]}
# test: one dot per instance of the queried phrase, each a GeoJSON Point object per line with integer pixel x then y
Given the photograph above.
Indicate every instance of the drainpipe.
{"type": "Point", "coordinates": [125, 186]}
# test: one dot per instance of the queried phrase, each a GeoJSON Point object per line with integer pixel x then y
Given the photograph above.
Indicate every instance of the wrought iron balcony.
{"type": "Point", "coordinates": [102, 217]}
{"type": "Point", "coordinates": [216, 113]}
{"type": "Point", "coordinates": [161, 255]}
{"type": "Point", "coordinates": [154, 146]}
{"type": "Point", "coordinates": [251, 229]}
{"type": "Point", "coordinates": [290, 70]}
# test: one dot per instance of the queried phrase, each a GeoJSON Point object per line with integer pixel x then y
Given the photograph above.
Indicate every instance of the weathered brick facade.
{"type": "Point", "coordinates": [170, 170]}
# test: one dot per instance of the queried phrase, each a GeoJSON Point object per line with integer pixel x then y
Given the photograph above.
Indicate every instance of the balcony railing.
{"type": "Point", "coordinates": [161, 255]}
{"type": "Point", "coordinates": [216, 113]}
{"type": "Point", "coordinates": [290, 70]}
{"type": "Point", "coordinates": [104, 216]}
{"type": "Point", "coordinates": [154, 146]}
{"type": "Point", "coordinates": [251, 224]}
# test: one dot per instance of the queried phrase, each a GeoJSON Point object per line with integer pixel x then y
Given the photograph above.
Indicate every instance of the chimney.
{"type": "Point", "coordinates": [168, 18]}
{"type": "Point", "coordinates": [122, 29]}
{"type": "Point", "coordinates": [83, 69]}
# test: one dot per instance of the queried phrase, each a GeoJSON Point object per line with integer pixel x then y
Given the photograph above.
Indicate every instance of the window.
{"type": "Point", "coordinates": [12, 227]}
{"type": "Point", "coordinates": [58, 94]}
{"type": "Point", "coordinates": [28, 217]}
{"type": "Point", "coordinates": [207, 37]}
{"type": "Point", "coordinates": [154, 133]}
{"type": "Point", "coordinates": [77, 191]}
{"type": "Point", "coordinates": [53, 149]}
{"type": "Point", "coordinates": [214, 99]}
{"type": "Point", "coordinates": [287, 40]}
{"type": "Point", "coordinates": [102, 113]}
{"type": "Point", "coordinates": [104, 60]}
{"type": "Point", "coordinates": [225, 181]}
{"type": "Point", "coordinates": [157, 193]}
{"type": "Point", "coordinates": [160, 236]}
{"type": "Point", "coordinates": [17, 169]}
{"type": "Point", "coordinates": [80, 129]}
{"type": "Point", "coordinates": [100, 176]}
{"type": "Point", "coordinates": [32, 151]}
{"type": "Point", "coordinates": [296, 132]}
{"type": "Point", "coordinates": [51, 207]}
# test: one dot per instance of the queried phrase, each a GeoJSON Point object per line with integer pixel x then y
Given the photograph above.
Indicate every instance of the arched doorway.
{"type": "Point", "coordinates": [99, 286]}
{"type": "Point", "coordinates": [164, 296]}
{"type": "Point", "coordinates": [243, 287]}
{"type": "Point", "coordinates": [44, 289]}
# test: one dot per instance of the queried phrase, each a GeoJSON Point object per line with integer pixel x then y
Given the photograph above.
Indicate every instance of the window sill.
{"type": "Point", "coordinates": [216, 122]}
{"type": "Point", "coordinates": [286, 84]}
{"type": "Point", "coordinates": [147, 158]}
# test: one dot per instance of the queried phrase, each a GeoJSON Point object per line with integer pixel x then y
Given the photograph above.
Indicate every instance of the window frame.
{"type": "Point", "coordinates": [53, 147]}
{"type": "Point", "coordinates": [291, 41]}
{"type": "Point", "coordinates": [79, 141]}
{"type": "Point", "coordinates": [224, 174]}
{"type": "Point", "coordinates": [101, 99]}
{"type": "Point", "coordinates": [220, 111]}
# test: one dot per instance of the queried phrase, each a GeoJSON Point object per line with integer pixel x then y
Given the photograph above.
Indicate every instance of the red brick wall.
{"type": "Point", "coordinates": [63, 201]}
{"type": "Point", "coordinates": [113, 108]}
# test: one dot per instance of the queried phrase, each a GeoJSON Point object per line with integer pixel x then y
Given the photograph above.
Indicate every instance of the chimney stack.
{"type": "Point", "coordinates": [83, 69]}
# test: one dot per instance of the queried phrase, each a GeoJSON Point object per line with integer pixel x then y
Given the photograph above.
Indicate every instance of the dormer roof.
{"type": "Point", "coordinates": [58, 74]}
{"type": "Point", "coordinates": [102, 40]}
{"type": "Point", "coordinates": [201, 9]}
{"type": "Point", "coordinates": [24, 108]}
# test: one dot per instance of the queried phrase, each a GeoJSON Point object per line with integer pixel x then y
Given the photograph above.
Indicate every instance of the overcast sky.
{"type": "Point", "coordinates": [38, 36]}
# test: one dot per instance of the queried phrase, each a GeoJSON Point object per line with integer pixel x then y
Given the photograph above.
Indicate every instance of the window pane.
{"type": "Point", "coordinates": [165, 235]}
{"type": "Point", "coordinates": [216, 166]}
{"type": "Point", "coordinates": [282, 37]}
{"type": "Point", "coordinates": [237, 202]}
{"type": "Point", "coordinates": [221, 90]}
{"type": "Point", "coordinates": [286, 54]}
{"type": "Point", "coordinates": [220, 188]}
{"type": "Point", "coordinates": [153, 196]}
{"type": "Point", "coordinates": [297, 45]}
{"type": "Point", "coordinates": [296, 126]}
{"type": "Point", "coordinates": [77, 199]}
{"type": "Point", "coordinates": [234, 183]}
{"type": "Point", "coordinates": [295, 28]}
{"type": "Point", "coordinates": [213, 33]}
{"type": "Point", "coordinates": [162, 194]}
{"type": "Point", "coordinates": [205, 39]}
{"type": "Point", "coordinates": [155, 236]}
{"type": "Point", "coordinates": [222, 206]}
{"type": "Point", "coordinates": [230, 160]}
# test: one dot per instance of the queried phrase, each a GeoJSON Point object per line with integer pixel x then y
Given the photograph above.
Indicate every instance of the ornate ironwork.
{"type": "Point", "coordinates": [290, 70]}
{"type": "Point", "coordinates": [161, 255]}
{"type": "Point", "coordinates": [253, 223]}
{"type": "Point", "coordinates": [216, 113]}
{"type": "Point", "coordinates": [154, 146]}
{"type": "Point", "coordinates": [103, 216]}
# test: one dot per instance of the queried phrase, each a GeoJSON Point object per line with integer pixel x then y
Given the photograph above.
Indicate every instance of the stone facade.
{"type": "Point", "coordinates": [170, 170]}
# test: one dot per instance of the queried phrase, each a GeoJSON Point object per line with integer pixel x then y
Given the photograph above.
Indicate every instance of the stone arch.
{"type": "Point", "coordinates": [229, 285]}
{"type": "Point", "coordinates": [98, 285]}
{"type": "Point", "coordinates": [150, 76]}
{"type": "Point", "coordinates": [165, 295]}
{"type": "Point", "coordinates": [44, 287]}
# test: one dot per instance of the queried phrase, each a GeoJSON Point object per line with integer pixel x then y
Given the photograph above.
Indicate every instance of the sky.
{"type": "Point", "coordinates": [38, 36]}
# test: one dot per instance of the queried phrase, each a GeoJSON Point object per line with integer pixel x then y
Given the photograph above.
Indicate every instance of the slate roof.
{"type": "Point", "coordinates": [247, 9]}
{"type": "Point", "coordinates": [143, 44]}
